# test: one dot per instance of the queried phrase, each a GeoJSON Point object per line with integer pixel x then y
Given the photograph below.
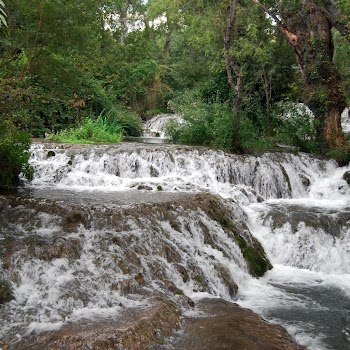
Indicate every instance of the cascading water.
{"type": "Point", "coordinates": [308, 242]}
{"type": "Point", "coordinates": [60, 261]}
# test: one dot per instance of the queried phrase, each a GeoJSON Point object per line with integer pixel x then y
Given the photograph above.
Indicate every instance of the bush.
{"type": "Point", "coordinates": [342, 157]}
{"type": "Point", "coordinates": [14, 154]}
{"type": "Point", "coordinates": [204, 123]}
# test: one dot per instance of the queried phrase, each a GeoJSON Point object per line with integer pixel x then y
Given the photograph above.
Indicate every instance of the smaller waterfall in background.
{"type": "Point", "coordinates": [156, 126]}
{"type": "Point", "coordinates": [154, 129]}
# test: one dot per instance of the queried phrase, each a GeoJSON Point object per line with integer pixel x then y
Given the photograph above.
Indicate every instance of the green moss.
{"type": "Point", "coordinates": [257, 261]}
{"type": "Point", "coordinates": [254, 254]}
{"type": "Point", "coordinates": [178, 292]}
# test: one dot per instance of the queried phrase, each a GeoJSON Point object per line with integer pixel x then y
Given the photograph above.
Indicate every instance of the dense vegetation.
{"type": "Point", "coordinates": [227, 66]}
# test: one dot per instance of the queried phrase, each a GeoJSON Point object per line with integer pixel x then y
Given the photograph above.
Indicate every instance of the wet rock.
{"type": "Point", "coordinates": [228, 326]}
{"type": "Point", "coordinates": [4, 203]}
{"type": "Point", "coordinates": [227, 278]}
{"type": "Point", "coordinates": [50, 154]}
{"type": "Point", "coordinates": [304, 180]}
{"type": "Point", "coordinates": [183, 272]}
{"type": "Point", "coordinates": [330, 221]}
{"type": "Point", "coordinates": [50, 249]}
{"type": "Point", "coordinates": [73, 219]}
{"type": "Point", "coordinates": [171, 254]}
{"type": "Point", "coordinates": [346, 177]}
{"type": "Point", "coordinates": [153, 171]}
{"type": "Point", "coordinates": [144, 187]}
{"type": "Point", "coordinates": [5, 292]}
{"type": "Point", "coordinates": [135, 329]}
{"type": "Point", "coordinates": [190, 302]}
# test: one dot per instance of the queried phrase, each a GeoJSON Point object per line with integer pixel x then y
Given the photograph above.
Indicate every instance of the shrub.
{"type": "Point", "coordinates": [14, 154]}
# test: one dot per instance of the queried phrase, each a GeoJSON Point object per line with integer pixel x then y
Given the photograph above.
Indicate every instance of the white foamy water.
{"type": "Point", "coordinates": [118, 168]}
{"type": "Point", "coordinates": [95, 277]}
{"type": "Point", "coordinates": [295, 205]}
{"type": "Point", "coordinates": [307, 240]}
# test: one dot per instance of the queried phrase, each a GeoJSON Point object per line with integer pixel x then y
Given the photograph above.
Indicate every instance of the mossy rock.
{"type": "Point", "coordinates": [5, 292]}
{"type": "Point", "coordinates": [253, 252]}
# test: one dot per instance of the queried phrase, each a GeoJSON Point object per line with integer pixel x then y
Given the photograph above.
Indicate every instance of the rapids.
{"type": "Point", "coordinates": [101, 225]}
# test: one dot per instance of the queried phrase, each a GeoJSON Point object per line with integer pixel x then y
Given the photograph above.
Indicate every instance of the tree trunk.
{"type": "Point", "coordinates": [267, 90]}
{"type": "Point", "coordinates": [234, 77]}
{"type": "Point", "coordinates": [324, 95]}
{"type": "Point", "coordinates": [308, 30]}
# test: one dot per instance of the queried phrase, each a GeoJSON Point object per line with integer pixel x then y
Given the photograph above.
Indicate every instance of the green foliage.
{"type": "Point", "coordinates": [341, 61]}
{"type": "Point", "coordinates": [117, 118]}
{"type": "Point", "coordinates": [341, 156]}
{"type": "Point", "coordinates": [295, 126]}
{"type": "Point", "coordinates": [71, 62]}
{"type": "Point", "coordinates": [14, 154]}
{"type": "Point", "coordinates": [90, 131]}
{"type": "Point", "coordinates": [196, 127]}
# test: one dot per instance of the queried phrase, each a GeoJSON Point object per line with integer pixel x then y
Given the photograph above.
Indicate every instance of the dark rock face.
{"type": "Point", "coordinates": [5, 292]}
{"type": "Point", "coordinates": [346, 177]}
{"type": "Point", "coordinates": [228, 326]}
{"type": "Point", "coordinates": [305, 180]}
{"type": "Point", "coordinates": [331, 221]}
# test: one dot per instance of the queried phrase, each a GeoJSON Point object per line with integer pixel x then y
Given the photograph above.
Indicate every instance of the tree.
{"type": "Point", "coordinates": [234, 73]}
{"type": "Point", "coordinates": [307, 24]}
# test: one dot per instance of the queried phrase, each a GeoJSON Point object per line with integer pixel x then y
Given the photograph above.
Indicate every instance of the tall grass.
{"type": "Point", "coordinates": [108, 127]}
{"type": "Point", "coordinates": [89, 131]}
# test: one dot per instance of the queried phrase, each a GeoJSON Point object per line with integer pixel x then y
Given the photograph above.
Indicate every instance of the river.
{"type": "Point", "coordinates": [297, 206]}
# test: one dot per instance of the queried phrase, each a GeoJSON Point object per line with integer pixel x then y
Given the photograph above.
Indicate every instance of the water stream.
{"type": "Point", "coordinates": [297, 206]}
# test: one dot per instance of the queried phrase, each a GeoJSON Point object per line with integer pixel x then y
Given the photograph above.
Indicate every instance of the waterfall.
{"type": "Point", "coordinates": [104, 227]}
{"type": "Point", "coordinates": [175, 168]}
{"type": "Point", "coordinates": [307, 239]}
{"type": "Point", "coordinates": [74, 262]}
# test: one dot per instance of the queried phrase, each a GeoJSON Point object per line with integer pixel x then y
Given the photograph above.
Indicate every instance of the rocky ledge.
{"type": "Point", "coordinates": [217, 325]}
{"type": "Point", "coordinates": [145, 250]}
{"type": "Point", "coordinates": [223, 325]}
